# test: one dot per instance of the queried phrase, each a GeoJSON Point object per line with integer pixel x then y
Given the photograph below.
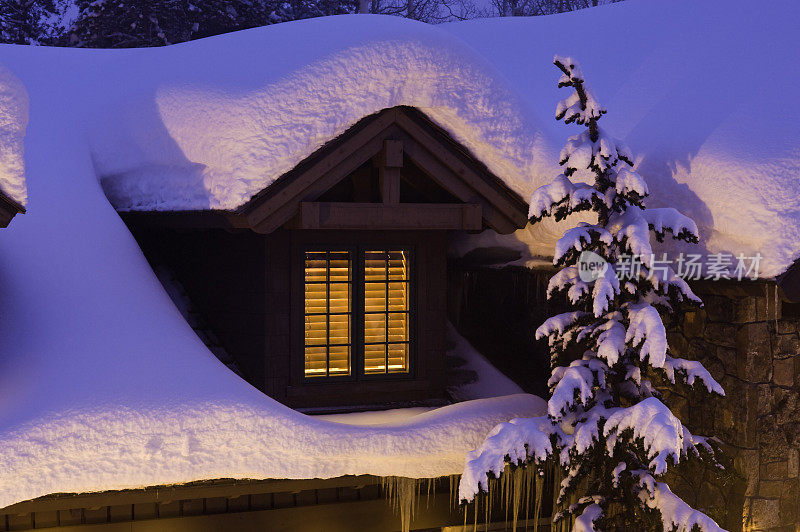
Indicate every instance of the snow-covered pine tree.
{"type": "Point", "coordinates": [606, 429]}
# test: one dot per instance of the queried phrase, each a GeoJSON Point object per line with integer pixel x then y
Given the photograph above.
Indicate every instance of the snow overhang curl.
{"type": "Point", "coordinates": [13, 122]}
{"type": "Point", "coordinates": [213, 139]}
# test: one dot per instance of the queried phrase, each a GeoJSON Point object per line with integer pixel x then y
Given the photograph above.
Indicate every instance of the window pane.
{"type": "Point", "coordinates": [374, 265]}
{"type": "Point", "coordinates": [340, 267]}
{"type": "Point", "coordinates": [339, 297]}
{"type": "Point", "coordinates": [316, 299]}
{"type": "Point", "coordinates": [316, 266]}
{"type": "Point", "coordinates": [398, 327]}
{"type": "Point", "coordinates": [316, 330]}
{"type": "Point", "coordinates": [387, 311]}
{"type": "Point", "coordinates": [398, 358]}
{"type": "Point", "coordinates": [375, 359]}
{"type": "Point", "coordinates": [340, 360]}
{"type": "Point", "coordinates": [316, 361]}
{"type": "Point", "coordinates": [375, 328]}
{"type": "Point", "coordinates": [328, 283]}
{"type": "Point", "coordinates": [339, 329]}
{"type": "Point", "coordinates": [398, 296]}
{"type": "Point", "coordinates": [398, 266]}
{"type": "Point", "coordinates": [375, 297]}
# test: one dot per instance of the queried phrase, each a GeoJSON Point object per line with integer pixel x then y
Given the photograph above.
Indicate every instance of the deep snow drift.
{"type": "Point", "coordinates": [695, 89]}
{"type": "Point", "coordinates": [103, 385]}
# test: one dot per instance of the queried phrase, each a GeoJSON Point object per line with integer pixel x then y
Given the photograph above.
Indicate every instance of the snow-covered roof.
{"type": "Point", "coordinates": [691, 89]}
{"type": "Point", "coordinates": [103, 385]}
{"type": "Point", "coordinates": [697, 90]}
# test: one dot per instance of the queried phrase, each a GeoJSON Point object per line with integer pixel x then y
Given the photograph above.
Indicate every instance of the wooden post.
{"type": "Point", "coordinates": [391, 164]}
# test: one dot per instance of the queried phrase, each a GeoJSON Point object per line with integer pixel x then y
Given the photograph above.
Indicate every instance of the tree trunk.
{"type": "Point", "coordinates": [363, 6]}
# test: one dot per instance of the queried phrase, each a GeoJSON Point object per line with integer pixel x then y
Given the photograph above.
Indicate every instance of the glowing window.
{"type": "Point", "coordinates": [328, 313]}
{"type": "Point", "coordinates": [387, 312]}
{"type": "Point", "coordinates": [379, 318]}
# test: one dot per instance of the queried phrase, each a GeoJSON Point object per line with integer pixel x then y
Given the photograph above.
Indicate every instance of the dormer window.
{"type": "Point", "coordinates": [357, 318]}
{"type": "Point", "coordinates": [328, 288]}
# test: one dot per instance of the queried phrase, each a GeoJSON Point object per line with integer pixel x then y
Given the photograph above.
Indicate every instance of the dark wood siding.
{"type": "Point", "coordinates": [224, 275]}
{"type": "Point", "coordinates": [243, 285]}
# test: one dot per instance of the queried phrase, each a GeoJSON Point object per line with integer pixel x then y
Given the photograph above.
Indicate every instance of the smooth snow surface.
{"type": "Point", "coordinates": [694, 89]}
{"type": "Point", "coordinates": [210, 123]}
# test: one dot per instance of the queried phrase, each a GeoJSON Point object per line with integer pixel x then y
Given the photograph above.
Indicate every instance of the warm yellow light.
{"type": "Point", "coordinates": [386, 312]}
{"type": "Point", "coordinates": [328, 289]}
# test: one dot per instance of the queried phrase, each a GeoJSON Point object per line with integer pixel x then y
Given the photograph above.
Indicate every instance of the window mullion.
{"type": "Point", "coordinates": [328, 314]}
{"type": "Point", "coordinates": [386, 314]}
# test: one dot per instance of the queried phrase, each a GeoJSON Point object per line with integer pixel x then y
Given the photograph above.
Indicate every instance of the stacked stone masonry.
{"type": "Point", "coordinates": [751, 347]}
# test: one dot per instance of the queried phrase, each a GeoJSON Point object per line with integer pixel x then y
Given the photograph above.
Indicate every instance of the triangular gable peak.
{"type": "Point", "coordinates": [8, 209]}
{"type": "Point", "coordinates": [395, 169]}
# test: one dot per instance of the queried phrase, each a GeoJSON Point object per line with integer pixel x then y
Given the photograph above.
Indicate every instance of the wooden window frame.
{"type": "Point", "coordinates": [357, 374]}
{"type": "Point", "coordinates": [328, 313]}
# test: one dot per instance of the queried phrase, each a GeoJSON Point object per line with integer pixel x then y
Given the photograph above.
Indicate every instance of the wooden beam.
{"type": "Point", "coordinates": [435, 512]}
{"type": "Point", "coordinates": [267, 213]}
{"type": "Point", "coordinates": [8, 209]}
{"type": "Point", "coordinates": [431, 216]}
{"type": "Point", "coordinates": [390, 165]}
{"type": "Point", "coordinates": [392, 153]}
{"type": "Point", "coordinates": [391, 135]}
{"type": "Point", "coordinates": [450, 181]}
{"type": "Point", "coordinates": [196, 490]}
{"type": "Point", "coordinates": [5, 216]}
{"type": "Point", "coordinates": [508, 202]}
{"type": "Point", "coordinates": [186, 219]}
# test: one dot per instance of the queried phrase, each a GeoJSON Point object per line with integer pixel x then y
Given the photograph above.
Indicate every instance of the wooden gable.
{"type": "Point", "coordinates": [8, 209]}
{"type": "Point", "coordinates": [399, 142]}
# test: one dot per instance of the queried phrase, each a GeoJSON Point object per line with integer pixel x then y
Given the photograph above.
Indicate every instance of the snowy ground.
{"type": "Point", "coordinates": [103, 385]}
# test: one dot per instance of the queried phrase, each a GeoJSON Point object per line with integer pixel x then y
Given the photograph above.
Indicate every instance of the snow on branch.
{"type": "Point", "coordinates": [676, 515]}
{"type": "Point", "coordinates": [667, 219]}
{"type": "Point", "coordinates": [591, 513]}
{"type": "Point", "coordinates": [581, 106]}
{"type": "Point", "coordinates": [606, 288]}
{"type": "Point", "coordinates": [647, 332]}
{"type": "Point", "coordinates": [629, 181]}
{"type": "Point", "coordinates": [516, 442]}
{"type": "Point", "coordinates": [662, 434]}
{"type": "Point", "coordinates": [560, 197]}
{"type": "Point", "coordinates": [691, 371]}
{"type": "Point", "coordinates": [632, 230]}
{"type": "Point", "coordinates": [611, 340]}
{"type": "Point", "coordinates": [568, 279]}
{"type": "Point", "coordinates": [575, 384]}
{"type": "Point", "coordinates": [558, 323]}
{"type": "Point", "coordinates": [581, 237]}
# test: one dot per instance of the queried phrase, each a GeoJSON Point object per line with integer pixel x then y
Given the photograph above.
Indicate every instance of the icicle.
{"type": "Point", "coordinates": [401, 492]}
{"type": "Point", "coordinates": [775, 307]}
{"type": "Point", "coordinates": [519, 490]}
{"type": "Point", "coordinates": [537, 505]}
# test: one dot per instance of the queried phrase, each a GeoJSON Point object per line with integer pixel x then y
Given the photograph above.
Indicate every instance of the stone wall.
{"type": "Point", "coordinates": [747, 343]}
{"type": "Point", "coordinates": [743, 335]}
